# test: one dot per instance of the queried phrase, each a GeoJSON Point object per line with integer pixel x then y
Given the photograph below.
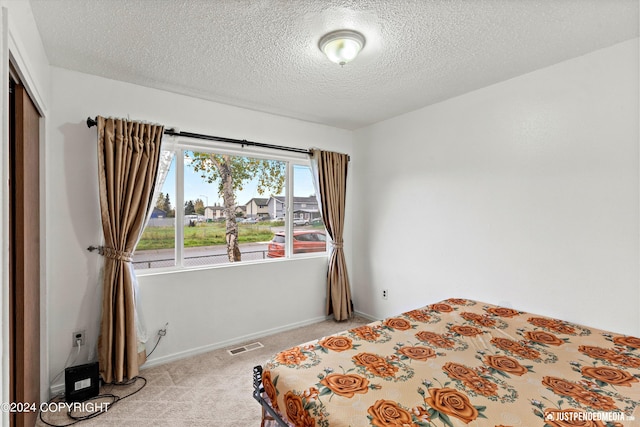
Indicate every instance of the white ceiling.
{"type": "Point", "coordinates": [263, 54]}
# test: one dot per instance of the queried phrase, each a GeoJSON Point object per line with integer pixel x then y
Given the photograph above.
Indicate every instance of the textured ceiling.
{"type": "Point", "coordinates": [263, 54]}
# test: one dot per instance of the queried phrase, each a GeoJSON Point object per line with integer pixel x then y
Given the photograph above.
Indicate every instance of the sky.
{"type": "Point", "coordinates": [197, 188]}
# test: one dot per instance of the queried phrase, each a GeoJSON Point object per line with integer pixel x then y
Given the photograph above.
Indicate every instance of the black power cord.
{"type": "Point", "coordinates": [162, 332]}
{"type": "Point", "coordinates": [113, 400]}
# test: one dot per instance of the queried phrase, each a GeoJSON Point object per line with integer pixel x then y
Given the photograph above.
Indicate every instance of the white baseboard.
{"type": "Point", "coordinates": [227, 343]}
{"type": "Point", "coordinates": [56, 389]}
{"type": "Point", "coordinates": [366, 316]}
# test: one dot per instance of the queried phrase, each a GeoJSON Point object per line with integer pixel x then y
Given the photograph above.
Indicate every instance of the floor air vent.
{"type": "Point", "coordinates": [245, 348]}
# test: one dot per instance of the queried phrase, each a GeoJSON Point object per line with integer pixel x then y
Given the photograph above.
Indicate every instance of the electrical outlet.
{"type": "Point", "coordinates": [385, 294]}
{"type": "Point", "coordinates": [78, 336]}
{"type": "Point", "coordinates": [162, 332]}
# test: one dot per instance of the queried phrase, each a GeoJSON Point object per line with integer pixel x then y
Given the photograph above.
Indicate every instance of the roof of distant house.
{"type": "Point", "coordinates": [258, 200]}
{"type": "Point", "coordinates": [297, 199]}
{"type": "Point", "coordinates": [215, 207]}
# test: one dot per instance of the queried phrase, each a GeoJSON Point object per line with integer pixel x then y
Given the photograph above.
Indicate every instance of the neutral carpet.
{"type": "Point", "coordinates": [211, 389]}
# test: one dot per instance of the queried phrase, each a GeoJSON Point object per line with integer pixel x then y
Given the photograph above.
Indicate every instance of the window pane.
{"type": "Point", "coordinates": [309, 231]}
{"type": "Point", "coordinates": [219, 188]}
{"type": "Point", "coordinates": [250, 208]}
{"type": "Point", "coordinates": [157, 244]}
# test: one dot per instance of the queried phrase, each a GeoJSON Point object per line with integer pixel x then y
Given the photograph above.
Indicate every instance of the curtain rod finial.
{"type": "Point", "coordinates": [91, 122]}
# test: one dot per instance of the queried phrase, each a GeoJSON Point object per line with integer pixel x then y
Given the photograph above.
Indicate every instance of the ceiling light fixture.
{"type": "Point", "coordinates": [341, 46]}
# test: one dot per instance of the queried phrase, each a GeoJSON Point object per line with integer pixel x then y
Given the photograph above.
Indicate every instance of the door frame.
{"type": "Point", "coordinates": [12, 55]}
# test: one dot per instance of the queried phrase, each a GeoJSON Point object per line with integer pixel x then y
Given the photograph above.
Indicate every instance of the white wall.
{"type": "Point", "coordinates": [204, 308]}
{"type": "Point", "coordinates": [20, 42]}
{"type": "Point", "coordinates": [524, 193]}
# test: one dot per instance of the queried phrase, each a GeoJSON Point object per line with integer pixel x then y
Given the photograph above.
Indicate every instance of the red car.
{"type": "Point", "coordinates": [303, 241]}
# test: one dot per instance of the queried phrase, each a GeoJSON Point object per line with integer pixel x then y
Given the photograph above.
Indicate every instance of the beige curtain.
{"type": "Point", "coordinates": [128, 156]}
{"type": "Point", "coordinates": [330, 173]}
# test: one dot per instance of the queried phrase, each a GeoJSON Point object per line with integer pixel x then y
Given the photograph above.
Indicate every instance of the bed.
{"type": "Point", "coordinates": [458, 362]}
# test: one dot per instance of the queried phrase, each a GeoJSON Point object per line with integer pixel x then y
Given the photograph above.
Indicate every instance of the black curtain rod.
{"type": "Point", "coordinates": [172, 132]}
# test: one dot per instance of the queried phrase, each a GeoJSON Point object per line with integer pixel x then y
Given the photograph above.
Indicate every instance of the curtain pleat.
{"type": "Point", "coordinates": [128, 157]}
{"type": "Point", "coordinates": [330, 174]}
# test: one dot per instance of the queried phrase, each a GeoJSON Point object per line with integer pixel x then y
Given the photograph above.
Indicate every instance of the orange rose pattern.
{"type": "Point", "coordinates": [441, 307]}
{"type": "Point", "coordinates": [346, 385]}
{"type": "Point", "coordinates": [628, 341]}
{"type": "Point", "coordinates": [418, 353]}
{"type": "Point", "coordinates": [453, 403]}
{"type": "Point", "coordinates": [457, 301]}
{"type": "Point", "coordinates": [458, 372]}
{"type": "Point", "coordinates": [579, 393]}
{"type": "Point", "coordinates": [366, 333]}
{"type": "Point", "coordinates": [563, 387]}
{"type": "Point", "coordinates": [597, 352]}
{"type": "Point", "coordinates": [610, 355]}
{"type": "Point", "coordinates": [552, 324]}
{"type": "Point", "coordinates": [418, 315]}
{"type": "Point", "coordinates": [481, 386]}
{"type": "Point", "coordinates": [628, 361]}
{"type": "Point", "coordinates": [503, 311]}
{"type": "Point", "coordinates": [543, 338]}
{"type": "Point", "coordinates": [421, 414]}
{"type": "Point", "coordinates": [311, 393]}
{"type": "Point", "coordinates": [387, 413]}
{"type": "Point", "coordinates": [397, 323]}
{"type": "Point", "coordinates": [505, 364]}
{"type": "Point", "coordinates": [468, 361]}
{"type": "Point", "coordinates": [337, 343]}
{"type": "Point", "coordinates": [435, 339]}
{"type": "Point", "coordinates": [467, 331]}
{"type": "Point", "coordinates": [516, 348]}
{"type": "Point", "coordinates": [296, 412]}
{"type": "Point", "coordinates": [470, 378]}
{"type": "Point", "coordinates": [270, 389]}
{"type": "Point", "coordinates": [609, 375]}
{"type": "Point", "coordinates": [375, 364]}
{"type": "Point", "coordinates": [293, 356]}
{"type": "Point", "coordinates": [478, 319]}
{"type": "Point", "coordinates": [596, 401]}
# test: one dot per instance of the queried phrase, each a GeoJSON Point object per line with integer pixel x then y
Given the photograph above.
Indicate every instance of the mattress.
{"type": "Point", "coordinates": [458, 362]}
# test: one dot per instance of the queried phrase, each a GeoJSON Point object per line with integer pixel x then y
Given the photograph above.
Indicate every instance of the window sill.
{"type": "Point", "coordinates": [173, 270]}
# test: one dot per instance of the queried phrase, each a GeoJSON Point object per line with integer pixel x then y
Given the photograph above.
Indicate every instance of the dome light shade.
{"type": "Point", "coordinates": [341, 46]}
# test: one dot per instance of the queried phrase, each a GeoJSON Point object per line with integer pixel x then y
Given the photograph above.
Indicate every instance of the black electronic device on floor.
{"type": "Point", "coordinates": [81, 382]}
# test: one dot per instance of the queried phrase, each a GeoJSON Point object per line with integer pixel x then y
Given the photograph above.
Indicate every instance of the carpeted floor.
{"type": "Point", "coordinates": [211, 389]}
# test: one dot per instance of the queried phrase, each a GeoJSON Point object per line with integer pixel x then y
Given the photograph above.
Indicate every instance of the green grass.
{"type": "Point", "coordinates": [203, 234]}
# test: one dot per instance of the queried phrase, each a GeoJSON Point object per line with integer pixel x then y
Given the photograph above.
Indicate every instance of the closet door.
{"type": "Point", "coordinates": [24, 248]}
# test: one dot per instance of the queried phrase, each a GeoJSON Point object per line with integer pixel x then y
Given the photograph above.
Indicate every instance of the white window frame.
{"type": "Point", "coordinates": [182, 144]}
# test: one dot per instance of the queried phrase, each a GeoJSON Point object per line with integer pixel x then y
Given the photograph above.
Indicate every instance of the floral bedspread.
{"type": "Point", "coordinates": [459, 363]}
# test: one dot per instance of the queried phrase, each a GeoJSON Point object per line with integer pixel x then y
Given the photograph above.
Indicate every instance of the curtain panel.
{"type": "Point", "coordinates": [330, 174]}
{"type": "Point", "coordinates": [128, 157]}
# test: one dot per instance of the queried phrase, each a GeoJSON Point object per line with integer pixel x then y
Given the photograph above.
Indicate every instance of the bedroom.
{"type": "Point", "coordinates": [522, 193]}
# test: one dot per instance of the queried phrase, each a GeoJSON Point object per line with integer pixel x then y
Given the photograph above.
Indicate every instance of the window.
{"type": "Point", "coordinates": [158, 242]}
{"type": "Point", "coordinates": [309, 232]}
{"type": "Point", "coordinates": [210, 191]}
